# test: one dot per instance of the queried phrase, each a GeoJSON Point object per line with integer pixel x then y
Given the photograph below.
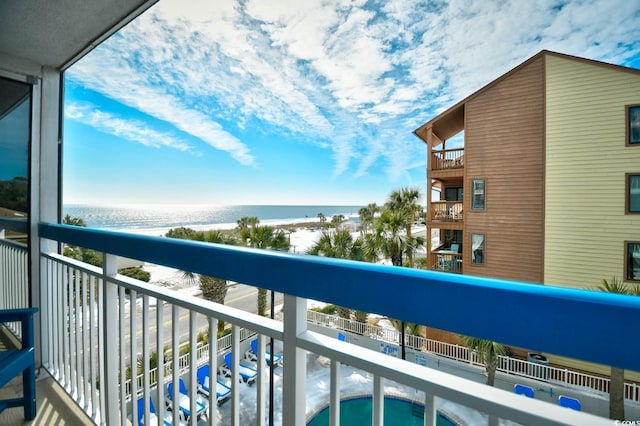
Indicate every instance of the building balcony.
{"type": "Point", "coordinates": [445, 211]}
{"type": "Point", "coordinates": [94, 326]}
{"type": "Point", "coordinates": [446, 163]}
{"type": "Point", "coordinates": [445, 261]}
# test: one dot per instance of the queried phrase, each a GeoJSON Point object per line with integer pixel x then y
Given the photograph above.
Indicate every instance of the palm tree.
{"type": "Point", "coordinates": [339, 244]}
{"type": "Point", "coordinates": [489, 354]}
{"type": "Point", "coordinates": [616, 384]}
{"type": "Point", "coordinates": [366, 215]}
{"type": "Point", "coordinates": [246, 222]}
{"type": "Point", "coordinates": [264, 237]}
{"type": "Point", "coordinates": [406, 201]}
{"type": "Point", "coordinates": [322, 219]}
{"type": "Point", "coordinates": [337, 219]}
{"type": "Point", "coordinates": [214, 289]}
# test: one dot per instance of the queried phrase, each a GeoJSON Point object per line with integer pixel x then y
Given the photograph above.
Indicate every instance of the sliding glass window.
{"type": "Point", "coordinates": [15, 131]}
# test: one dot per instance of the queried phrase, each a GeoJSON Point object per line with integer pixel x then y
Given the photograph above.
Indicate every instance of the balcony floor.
{"type": "Point", "coordinates": [53, 405]}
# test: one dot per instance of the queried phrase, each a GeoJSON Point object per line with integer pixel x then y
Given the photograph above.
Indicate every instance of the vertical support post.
{"type": "Point", "coordinates": [193, 387]}
{"type": "Point", "coordinates": [295, 368]}
{"type": "Point", "coordinates": [334, 396]}
{"type": "Point", "coordinates": [213, 369]}
{"type": "Point", "coordinates": [110, 335]}
{"type": "Point", "coordinates": [160, 388]}
{"type": "Point", "coordinates": [235, 375]}
{"type": "Point", "coordinates": [429, 410]}
{"type": "Point", "coordinates": [262, 403]}
{"type": "Point", "coordinates": [377, 403]}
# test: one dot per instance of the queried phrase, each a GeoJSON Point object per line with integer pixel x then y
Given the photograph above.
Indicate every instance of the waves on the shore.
{"type": "Point", "coordinates": [157, 219]}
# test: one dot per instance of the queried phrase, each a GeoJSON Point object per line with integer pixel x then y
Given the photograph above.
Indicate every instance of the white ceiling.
{"type": "Point", "coordinates": [58, 32]}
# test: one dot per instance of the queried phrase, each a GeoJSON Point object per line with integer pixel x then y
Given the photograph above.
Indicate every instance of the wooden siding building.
{"type": "Point", "coordinates": [536, 190]}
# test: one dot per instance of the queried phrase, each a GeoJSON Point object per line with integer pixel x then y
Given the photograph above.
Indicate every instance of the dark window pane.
{"type": "Point", "coordinates": [634, 124]}
{"type": "Point", "coordinates": [634, 193]}
{"type": "Point", "coordinates": [477, 188]}
{"type": "Point", "coordinates": [15, 125]}
{"type": "Point", "coordinates": [633, 261]}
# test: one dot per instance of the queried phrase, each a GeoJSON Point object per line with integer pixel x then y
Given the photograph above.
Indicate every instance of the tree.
{"type": "Point", "coordinates": [337, 219]}
{"type": "Point", "coordinates": [405, 200]}
{"type": "Point", "coordinates": [489, 353]}
{"type": "Point", "coordinates": [322, 219]}
{"type": "Point", "coordinates": [339, 244]}
{"type": "Point", "coordinates": [214, 289]}
{"type": "Point", "coordinates": [247, 222]}
{"type": "Point", "coordinates": [263, 237]}
{"type": "Point", "coordinates": [616, 384]}
{"type": "Point", "coordinates": [366, 215]}
{"type": "Point", "coordinates": [181, 233]}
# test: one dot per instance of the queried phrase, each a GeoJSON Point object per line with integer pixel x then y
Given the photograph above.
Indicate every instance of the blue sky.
{"type": "Point", "coordinates": [299, 102]}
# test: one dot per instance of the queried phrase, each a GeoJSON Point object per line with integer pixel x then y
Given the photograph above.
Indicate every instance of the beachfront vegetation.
{"type": "Point", "coordinates": [94, 258]}
{"type": "Point", "coordinates": [263, 237]}
{"type": "Point", "coordinates": [489, 353]}
{"type": "Point", "coordinates": [367, 215]}
{"type": "Point", "coordinates": [616, 385]}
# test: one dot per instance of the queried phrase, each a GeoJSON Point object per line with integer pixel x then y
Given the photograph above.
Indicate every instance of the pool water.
{"type": "Point", "coordinates": [397, 412]}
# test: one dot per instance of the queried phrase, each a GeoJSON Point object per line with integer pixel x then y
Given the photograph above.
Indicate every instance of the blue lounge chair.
{"type": "Point", "coordinates": [223, 392]}
{"type": "Point", "coordinates": [277, 359]}
{"type": "Point", "coordinates": [184, 401]}
{"type": "Point", "coordinates": [523, 390]}
{"type": "Point", "coordinates": [565, 401]}
{"type": "Point", "coordinates": [16, 361]}
{"type": "Point", "coordinates": [153, 414]}
{"type": "Point", "coordinates": [247, 374]}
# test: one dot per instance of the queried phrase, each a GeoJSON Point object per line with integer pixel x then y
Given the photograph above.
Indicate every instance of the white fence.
{"type": "Point", "coordinates": [506, 364]}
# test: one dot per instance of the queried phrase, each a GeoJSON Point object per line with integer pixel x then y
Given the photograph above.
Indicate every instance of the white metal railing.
{"type": "Point", "coordinates": [14, 281]}
{"type": "Point", "coordinates": [506, 364]}
{"type": "Point", "coordinates": [94, 331]}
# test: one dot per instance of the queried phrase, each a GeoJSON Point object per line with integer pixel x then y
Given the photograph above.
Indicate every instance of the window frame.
{"type": "Point", "coordinates": [627, 127]}
{"type": "Point", "coordinates": [473, 194]}
{"type": "Point", "coordinates": [484, 250]}
{"type": "Point", "coordinates": [627, 268]}
{"type": "Point", "coordinates": [627, 193]}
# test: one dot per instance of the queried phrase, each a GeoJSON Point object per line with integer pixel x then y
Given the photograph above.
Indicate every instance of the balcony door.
{"type": "Point", "coordinates": [15, 138]}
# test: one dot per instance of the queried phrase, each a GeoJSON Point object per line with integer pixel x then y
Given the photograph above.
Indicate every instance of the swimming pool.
{"type": "Point", "coordinates": [397, 412]}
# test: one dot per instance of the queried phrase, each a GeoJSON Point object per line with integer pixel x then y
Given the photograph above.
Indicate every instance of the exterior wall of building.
{"type": "Point", "coordinates": [504, 144]}
{"type": "Point", "coordinates": [586, 162]}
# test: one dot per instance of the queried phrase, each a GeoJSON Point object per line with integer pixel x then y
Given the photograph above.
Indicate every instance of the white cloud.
{"type": "Point", "coordinates": [132, 130]}
{"type": "Point", "coordinates": [356, 77]}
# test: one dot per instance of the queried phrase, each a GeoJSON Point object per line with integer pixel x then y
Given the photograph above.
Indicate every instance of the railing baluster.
{"type": "Point", "coordinates": [213, 369]}
{"type": "Point", "coordinates": [295, 368]}
{"type": "Point", "coordinates": [175, 370]}
{"type": "Point", "coordinates": [334, 394]}
{"type": "Point", "coordinates": [160, 385]}
{"type": "Point", "coordinates": [122, 356]}
{"type": "Point", "coordinates": [145, 358]}
{"type": "Point", "coordinates": [193, 389]}
{"type": "Point", "coordinates": [235, 375]}
{"type": "Point", "coordinates": [133, 351]}
{"type": "Point", "coordinates": [261, 397]}
{"type": "Point", "coordinates": [377, 401]}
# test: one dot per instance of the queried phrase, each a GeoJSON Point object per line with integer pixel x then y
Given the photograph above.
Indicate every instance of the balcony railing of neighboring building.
{"type": "Point", "coordinates": [446, 211]}
{"type": "Point", "coordinates": [445, 261]}
{"type": "Point", "coordinates": [87, 325]}
{"type": "Point", "coordinates": [447, 159]}
{"type": "Point", "coordinates": [14, 278]}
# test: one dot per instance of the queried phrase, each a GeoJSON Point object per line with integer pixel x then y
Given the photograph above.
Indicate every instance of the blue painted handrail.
{"type": "Point", "coordinates": [17, 225]}
{"type": "Point", "coordinates": [588, 325]}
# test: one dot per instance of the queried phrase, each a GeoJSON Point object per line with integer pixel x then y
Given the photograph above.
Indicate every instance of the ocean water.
{"type": "Point", "coordinates": [159, 218]}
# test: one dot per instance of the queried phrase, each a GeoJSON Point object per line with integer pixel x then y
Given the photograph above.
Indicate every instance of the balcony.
{"type": "Point", "coordinates": [451, 160]}
{"type": "Point", "coordinates": [446, 211]}
{"type": "Point", "coordinates": [88, 316]}
{"type": "Point", "coordinates": [445, 261]}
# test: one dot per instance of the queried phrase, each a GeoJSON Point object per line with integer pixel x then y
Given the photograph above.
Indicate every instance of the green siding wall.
{"type": "Point", "coordinates": [586, 162]}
